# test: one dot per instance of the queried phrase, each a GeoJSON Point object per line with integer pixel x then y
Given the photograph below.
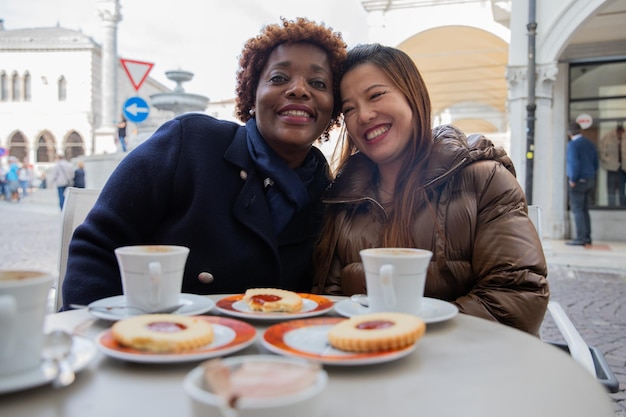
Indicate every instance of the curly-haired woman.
{"type": "Point", "coordinates": [244, 199]}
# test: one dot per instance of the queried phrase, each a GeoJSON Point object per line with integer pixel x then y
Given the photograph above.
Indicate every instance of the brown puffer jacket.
{"type": "Point", "coordinates": [487, 256]}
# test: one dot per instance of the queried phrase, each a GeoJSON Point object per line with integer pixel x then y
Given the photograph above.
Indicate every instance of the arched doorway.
{"type": "Point", "coordinates": [18, 146]}
{"type": "Point", "coordinates": [74, 146]}
{"type": "Point", "coordinates": [46, 150]}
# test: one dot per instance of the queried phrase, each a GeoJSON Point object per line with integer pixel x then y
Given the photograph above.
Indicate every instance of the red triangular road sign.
{"type": "Point", "coordinates": [137, 71]}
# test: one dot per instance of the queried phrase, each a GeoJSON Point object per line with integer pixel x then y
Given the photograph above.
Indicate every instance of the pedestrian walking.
{"type": "Point", "coordinates": [62, 177]}
{"type": "Point", "coordinates": [79, 175]}
{"type": "Point", "coordinates": [121, 133]}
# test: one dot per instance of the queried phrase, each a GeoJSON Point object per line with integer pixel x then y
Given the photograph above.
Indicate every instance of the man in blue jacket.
{"type": "Point", "coordinates": [582, 164]}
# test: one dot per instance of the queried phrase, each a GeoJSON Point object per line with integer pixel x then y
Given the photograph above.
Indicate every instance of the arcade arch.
{"type": "Point", "coordinates": [45, 148]}
{"type": "Point", "coordinates": [74, 146]}
{"type": "Point", "coordinates": [18, 146]}
{"type": "Point", "coordinates": [464, 68]}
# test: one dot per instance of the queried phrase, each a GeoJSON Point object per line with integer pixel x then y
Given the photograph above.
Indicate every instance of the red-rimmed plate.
{"type": "Point", "coordinates": [312, 305]}
{"type": "Point", "coordinates": [230, 335]}
{"type": "Point", "coordinates": [308, 339]}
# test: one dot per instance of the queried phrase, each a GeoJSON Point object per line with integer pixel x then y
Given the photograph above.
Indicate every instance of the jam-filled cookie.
{"type": "Point", "coordinates": [376, 332]}
{"type": "Point", "coordinates": [272, 300]}
{"type": "Point", "coordinates": [163, 332]}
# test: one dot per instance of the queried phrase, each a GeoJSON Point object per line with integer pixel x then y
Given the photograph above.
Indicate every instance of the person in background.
{"type": "Point", "coordinates": [582, 165]}
{"type": "Point", "coordinates": [79, 175]}
{"type": "Point", "coordinates": [25, 175]}
{"type": "Point", "coordinates": [400, 183]}
{"type": "Point", "coordinates": [3, 181]}
{"type": "Point", "coordinates": [246, 199]}
{"type": "Point", "coordinates": [612, 155]}
{"type": "Point", "coordinates": [62, 176]}
{"type": "Point", "coordinates": [121, 133]}
{"type": "Point", "coordinates": [12, 178]}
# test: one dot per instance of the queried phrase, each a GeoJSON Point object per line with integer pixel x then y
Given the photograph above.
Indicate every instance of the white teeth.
{"type": "Point", "coordinates": [377, 132]}
{"type": "Point", "coordinates": [295, 113]}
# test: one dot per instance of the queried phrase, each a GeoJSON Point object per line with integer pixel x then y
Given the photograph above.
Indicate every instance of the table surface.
{"type": "Point", "coordinates": [462, 367]}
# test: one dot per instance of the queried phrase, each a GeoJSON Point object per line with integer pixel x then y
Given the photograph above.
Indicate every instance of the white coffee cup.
{"type": "Point", "coordinates": [23, 304]}
{"type": "Point", "coordinates": [152, 275]}
{"type": "Point", "coordinates": [395, 278]}
{"type": "Point", "coordinates": [307, 402]}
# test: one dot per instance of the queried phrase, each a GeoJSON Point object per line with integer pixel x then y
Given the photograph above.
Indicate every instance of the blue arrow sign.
{"type": "Point", "coordinates": [136, 109]}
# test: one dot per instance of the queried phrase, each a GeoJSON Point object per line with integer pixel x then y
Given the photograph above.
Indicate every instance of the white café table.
{"type": "Point", "coordinates": [462, 367]}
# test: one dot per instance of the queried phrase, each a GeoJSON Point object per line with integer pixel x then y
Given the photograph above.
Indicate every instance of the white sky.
{"type": "Point", "coordinates": [201, 36]}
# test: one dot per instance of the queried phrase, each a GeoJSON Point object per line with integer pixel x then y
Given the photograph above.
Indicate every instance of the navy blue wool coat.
{"type": "Point", "coordinates": [193, 184]}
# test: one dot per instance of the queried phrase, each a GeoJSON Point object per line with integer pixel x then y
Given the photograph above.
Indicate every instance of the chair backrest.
{"type": "Point", "coordinates": [587, 356]}
{"type": "Point", "coordinates": [534, 212]}
{"type": "Point", "coordinates": [78, 202]}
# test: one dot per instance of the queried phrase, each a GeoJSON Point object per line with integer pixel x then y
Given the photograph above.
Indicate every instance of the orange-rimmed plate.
{"type": "Point", "coordinates": [312, 305]}
{"type": "Point", "coordinates": [230, 335]}
{"type": "Point", "coordinates": [308, 339]}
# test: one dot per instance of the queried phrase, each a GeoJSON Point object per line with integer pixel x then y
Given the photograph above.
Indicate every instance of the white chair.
{"type": "Point", "coordinates": [587, 356]}
{"type": "Point", "coordinates": [534, 212]}
{"type": "Point", "coordinates": [78, 202]}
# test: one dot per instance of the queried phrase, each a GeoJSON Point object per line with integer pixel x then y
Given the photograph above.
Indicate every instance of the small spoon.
{"type": "Point", "coordinates": [57, 348]}
{"type": "Point", "coordinates": [360, 299]}
{"type": "Point", "coordinates": [107, 309]}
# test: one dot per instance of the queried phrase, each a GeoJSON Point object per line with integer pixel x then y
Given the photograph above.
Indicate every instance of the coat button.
{"type": "Point", "coordinates": [243, 174]}
{"type": "Point", "coordinates": [205, 277]}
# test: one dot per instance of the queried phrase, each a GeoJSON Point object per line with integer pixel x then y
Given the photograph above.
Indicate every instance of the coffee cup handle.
{"type": "Point", "coordinates": [386, 282]}
{"type": "Point", "coordinates": [8, 311]}
{"type": "Point", "coordinates": [155, 283]}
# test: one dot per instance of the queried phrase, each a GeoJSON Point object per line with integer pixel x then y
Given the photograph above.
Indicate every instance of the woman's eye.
{"type": "Point", "coordinates": [278, 79]}
{"type": "Point", "coordinates": [320, 85]}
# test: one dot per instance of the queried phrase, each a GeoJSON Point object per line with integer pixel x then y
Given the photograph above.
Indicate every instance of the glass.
{"type": "Point", "coordinates": [598, 90]}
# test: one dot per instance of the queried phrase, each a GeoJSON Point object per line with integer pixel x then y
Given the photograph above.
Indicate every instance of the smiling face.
{"type": "Point", "coordinates": [377, 114]}
{"type": "Point", "coordinates": [294, 99]}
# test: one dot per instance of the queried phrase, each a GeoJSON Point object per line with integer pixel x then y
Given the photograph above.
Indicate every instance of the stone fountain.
{"type": "Point", "coordinates": [178, 101]}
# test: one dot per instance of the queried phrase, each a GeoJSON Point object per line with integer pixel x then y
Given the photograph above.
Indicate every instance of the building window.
{"type": "Point", "coordinates": [27, 91]}
{"type": "Point", "coordinates": [598, 94]}
{"type": "Point", "coordinates": [15, 82]}
{"type": "Point", "coordinates": [62, 89]}
{"type": "Point", "coordinates": [4, 87]}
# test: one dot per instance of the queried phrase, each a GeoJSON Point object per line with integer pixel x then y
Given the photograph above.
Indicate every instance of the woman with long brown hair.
{"type": "Point", "coordinates": [401, 183]}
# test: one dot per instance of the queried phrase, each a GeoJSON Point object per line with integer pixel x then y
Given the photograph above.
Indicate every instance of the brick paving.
{"type": "Point", "coordinates": [593, 296]}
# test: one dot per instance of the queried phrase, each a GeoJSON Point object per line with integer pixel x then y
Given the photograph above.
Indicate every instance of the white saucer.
{"type": "Point", "coordinates": [83, 351]}
{"type": "Point", "coordinates": [433, 309]}
{"type": "Point", "coordinates": [193, 304]}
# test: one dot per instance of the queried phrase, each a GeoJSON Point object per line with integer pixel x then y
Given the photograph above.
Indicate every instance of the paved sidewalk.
{"type": "Point", "coordinates": [589, 282]}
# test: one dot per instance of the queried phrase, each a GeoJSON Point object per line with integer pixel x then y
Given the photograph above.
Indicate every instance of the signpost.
{"type": "Point", "coordinates": [137, 71]}
{"type": "Point", "coordinates": [136, 109]}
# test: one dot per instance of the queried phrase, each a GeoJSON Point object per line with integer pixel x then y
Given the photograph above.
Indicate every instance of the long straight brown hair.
{"type": "Point", "coordinates": [409, 190]}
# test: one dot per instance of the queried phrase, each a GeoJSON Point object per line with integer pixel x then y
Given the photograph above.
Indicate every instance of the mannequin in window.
{"type": "Point", "coordinates": [613, 160]}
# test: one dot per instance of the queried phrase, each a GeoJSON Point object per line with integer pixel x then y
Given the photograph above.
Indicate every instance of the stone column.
{"type": "Point", "coordinates": [549, 154]}
{"type": "Point", "coordinates": [104, 141]}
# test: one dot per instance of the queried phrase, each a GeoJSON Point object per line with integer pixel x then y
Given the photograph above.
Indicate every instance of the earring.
{"type": "Point", "coordinates": [252, 112]}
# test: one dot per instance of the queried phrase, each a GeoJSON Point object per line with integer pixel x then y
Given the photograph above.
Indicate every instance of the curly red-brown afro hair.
{"type": "Point", "coordinates": [258, 49]}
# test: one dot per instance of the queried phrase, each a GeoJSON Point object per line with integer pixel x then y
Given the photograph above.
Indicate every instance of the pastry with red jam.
{"type": "Point", "coordinates": [376, 332]}
{"type": "Point", "coordinates": [163, 333]}
{"type": "Point", "coordinates": [272, 300]}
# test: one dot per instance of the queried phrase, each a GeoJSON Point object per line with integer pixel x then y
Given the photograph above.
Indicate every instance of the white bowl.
{"type": "Point", "coordinates": [305, 403]}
